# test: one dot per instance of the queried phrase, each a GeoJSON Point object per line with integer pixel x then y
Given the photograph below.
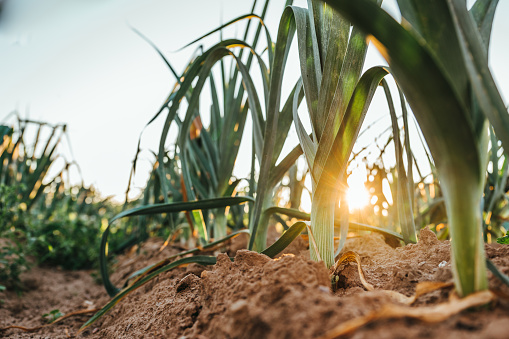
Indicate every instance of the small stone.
{"type": "Point", "coordinates": [324, 289]}
{"type": "Point", "coordinates": [186, 282]}
{"type": "Point", "coordinates": [238, 305]}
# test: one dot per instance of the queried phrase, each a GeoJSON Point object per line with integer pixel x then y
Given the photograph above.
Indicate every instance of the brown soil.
{"type": "Point", "coordinates": [256, 297]}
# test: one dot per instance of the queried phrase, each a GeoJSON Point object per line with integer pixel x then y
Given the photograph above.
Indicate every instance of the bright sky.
{"type": "Point", "coordinates": [78, 62]}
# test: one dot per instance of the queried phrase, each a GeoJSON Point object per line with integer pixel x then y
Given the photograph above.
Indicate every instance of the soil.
{"type": "Point", "coordinates": [257, 297]}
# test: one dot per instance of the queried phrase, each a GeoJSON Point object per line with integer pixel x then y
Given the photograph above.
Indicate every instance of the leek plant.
{"type": "Point", "coordinates": [337, 97]}
{"type": "Point", "coordinates": [201, 164]}
{"type": "Point", "coordinates": [495, 200]}
{"type": "Point", "coordinates": [207, 168]}
{"type": "Point", "coordinates": [439, 57]}
{"type": "Point", "coordinates": [404, 184]}
{"type": "Point", "coordinates": [206, 162]}
{"type": "Point", "coordinates": [268, 136]}
{"type": "Point", "coordinates": [25, 165]}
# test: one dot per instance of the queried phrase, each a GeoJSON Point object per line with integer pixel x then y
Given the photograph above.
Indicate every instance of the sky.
{"type": "Point", "coordinates": [78, 62]}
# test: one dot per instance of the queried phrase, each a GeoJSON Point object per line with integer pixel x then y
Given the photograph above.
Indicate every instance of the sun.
{"type": "Point", "coordinates": [357, 195]}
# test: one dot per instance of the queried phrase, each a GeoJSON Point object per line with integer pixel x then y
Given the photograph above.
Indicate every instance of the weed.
{"type": "Point", "coordinates": [52, 315]}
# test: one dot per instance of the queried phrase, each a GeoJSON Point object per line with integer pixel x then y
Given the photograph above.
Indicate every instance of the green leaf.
{"type": "Point", "coordinates": [334, 38]}
{"type": "Point", "coordinates": [310, 66]}
{"type": "Point", "coordinates": [285, 34]}
{"type": "Point", "coordinates": [286, 238]}
{"type": "Point", "coordinates": [285, 122]}
{"type": "Point", "coordinates": [349, 76]}
{"type": "Point", "coordinates": [432, 21]}
{"type": "Point", "coordinates": [483, 12]}
{"type": "Point", "coordinates": [231, 22]}
{"type": "Point", "coordinates": [475, 51]}
{"type": "Point", "coordinates": [496, 272]}
{"type": "Point", "coordinates": [503, 240]}
{"type": "Point", "coordinates": [157, 209]}
{"type": "Point", "coordinates": [403, 191]}
{"type": "Point", "coordinates": [207, 166]}
{"type": "Point", "coordinates": [52, 315]}
{"type": "Point", "coordinates": [182, 206]}
{"type": "Point", "coordinates": [307, 144]}
{"type": "Point", "coordinates": [158, 52]}
{"type": "Point", "coordinates": [5, 131]}
{"type": "Point", "coordinates": [294, 213]}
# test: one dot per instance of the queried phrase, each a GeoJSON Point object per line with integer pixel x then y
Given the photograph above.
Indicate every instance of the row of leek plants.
{"type": "Point", "coordinates": [337, 96]}
{"type": "Point", "coordinates": [206, 162]}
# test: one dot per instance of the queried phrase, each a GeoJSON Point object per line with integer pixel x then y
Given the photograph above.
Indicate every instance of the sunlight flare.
{"type": "Point", "coordinates": [358, 197]}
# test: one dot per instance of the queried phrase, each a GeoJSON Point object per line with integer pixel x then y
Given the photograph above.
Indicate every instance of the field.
{"type": "Point", "coordinates": [357, 230]}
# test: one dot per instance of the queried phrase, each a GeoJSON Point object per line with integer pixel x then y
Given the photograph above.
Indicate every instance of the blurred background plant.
{"type": "Point", "coordinates": [12, 253]}
{"type": "Point", "coordinates": [43, 220]}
